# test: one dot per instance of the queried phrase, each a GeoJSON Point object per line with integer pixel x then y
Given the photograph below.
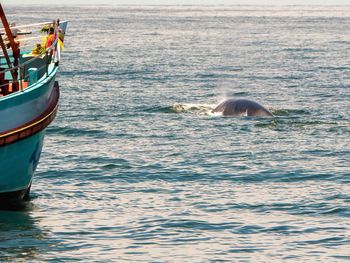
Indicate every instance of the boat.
{"type": "Point", "coordinates": [29, 96]}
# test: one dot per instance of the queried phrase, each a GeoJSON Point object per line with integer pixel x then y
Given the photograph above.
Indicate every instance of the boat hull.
{"type": "Point", "coordinates": [29, 98]}
{"type": "Point", "coordinates": [20, 150]}
{"type": "Point", "coordinates": [15, 197]}
{"type": "Point", "coordinates": [18, 163]}
{"type": "Point", "coordinates": [20, 108]}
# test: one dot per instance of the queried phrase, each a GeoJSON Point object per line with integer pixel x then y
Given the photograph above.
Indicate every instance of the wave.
{"type": "Point", "coordinates": [201, 109]}
{"type": "Point", "coordinates": [75, 132]}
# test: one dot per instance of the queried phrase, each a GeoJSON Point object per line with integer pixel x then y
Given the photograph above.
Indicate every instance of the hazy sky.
{"type": "Point", "coordinates": [182, 2]}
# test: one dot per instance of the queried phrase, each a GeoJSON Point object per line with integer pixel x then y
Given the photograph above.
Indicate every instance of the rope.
{"type": "Point", "coordinates": [30, 25]}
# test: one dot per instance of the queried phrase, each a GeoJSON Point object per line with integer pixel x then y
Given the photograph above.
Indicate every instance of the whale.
{"type": "Point", "coordinates": [241, 107]}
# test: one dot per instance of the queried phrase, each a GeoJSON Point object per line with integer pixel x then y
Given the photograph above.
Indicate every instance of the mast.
{"type": "Point", "coordinates": [4, 50]}
{"type": "Point", "coordinates": [14, 47]}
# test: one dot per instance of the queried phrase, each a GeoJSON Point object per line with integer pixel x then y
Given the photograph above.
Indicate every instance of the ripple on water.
{"type": "Point", "coordinates": [137, 168]}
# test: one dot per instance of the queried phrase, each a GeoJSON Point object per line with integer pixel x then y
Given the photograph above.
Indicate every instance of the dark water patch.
{"type": "Point", "coordinates": [283, 123]}
{"type": "Point", "coordinates": [75, 132]}
{"type": "Point", "coordinates": [21, 236]}
{"type": "Point", "coordinates": [269, 175]}
{"type": "Point", "coordinates": [104, 75]}
{"type": "Point", "coordinates": [189, 240]}
{"type": "Point", "coordinates": [11, 220]}
{"type": "Point", "coordinates": [345, 42]}
{"type": "Point", "coordinates": [138, 252]}
{"type": "Point", "coordinates": [321, 208]}
{"type": "Point", "coordinates": [320, 229]}
{"type": "Point", "coordinates": [339, 130]}
{"type": "Point", "coordinates": [245, 250]}
{"type": "Point", "coordinates": [166, 175]}
{"type": "Point", "coordinates": [152, 34]}
{"type": "Point", "coordinates": [214, 259]}
{"type": "Point", "coordinates": [156, 109]}
{"type": "Point", "coordinates": [15, 206]}
{"type": "Point", "coordinates": [238, 94]}
{"type": "Point", "coordinates": [141, 236]}
{"type": "Point", "coordinates": [340, 211]}
{"type": "Point", "coordinates": [326, 153]}
{"type": "Point", "coordinates": [312, 209]}
{"type": "Point", "coordinates": [158, 172]}
{"type": "Point", "coordinates": [339, 197]}
{"type": "Point", "coordinates": [89, 73]}
{"type": "Point", "coordinates": [66, 175]}
{"type": "Point", "coordinates": [301, 124]}
{"type": "Point", "coordinates": [218, 76]}
{"type": "Point", "coordinates": [290, 112]}
{"type": "Point", "coordinates": [303, 50]}
{"type": "Point", "coordinates": [301, 176]}
{"type": "Point", "coordinates": [247, 229]}
{"type": "Point", "coordinates": [106, 160]}
{"type": "Point", "coordinates": [324, 95]}
{"type": "Point", "coordinates": [160, 191]}
{"type": "Point", "coordinates": [303, 57]}
{"type": "Point", "coordinates": [325, 242]}
{"type": "Point", "coordinates": [270, 124]}
{"type": "Point", "coordinates": [334, 68]}
{"type": "Point", "coordinates": [198, 225]}
{"type": "Point", "coordinates": [288, 77]}
{"type": "Point", "coordinates": [345, 257]}
{"type": "Point", "coordinates": [113, 166]}
{"type": "Point", "coordinates": [228, 68]}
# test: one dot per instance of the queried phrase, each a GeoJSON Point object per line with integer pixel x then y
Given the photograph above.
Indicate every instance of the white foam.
{"type": "Point", "coordinates": [200, 109]}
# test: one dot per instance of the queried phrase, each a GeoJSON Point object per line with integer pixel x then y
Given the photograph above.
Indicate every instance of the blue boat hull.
{"type": "Point", "coordinates": [18, 162]}
{"type": "Point", "coordinates": [29, 98]}
{"type": "Point", "coordinates": [20, 147]}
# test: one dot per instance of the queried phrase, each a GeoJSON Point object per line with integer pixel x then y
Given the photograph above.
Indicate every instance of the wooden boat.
{"type": "Point", "coordinates": [29, 98]}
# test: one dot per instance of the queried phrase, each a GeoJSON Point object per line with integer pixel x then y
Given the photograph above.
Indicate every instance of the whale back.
{"type": "Point", "coordinates": [242, 107]}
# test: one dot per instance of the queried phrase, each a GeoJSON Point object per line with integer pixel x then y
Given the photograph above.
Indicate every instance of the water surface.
{"type": "Point", "coordinates": [135, 168]}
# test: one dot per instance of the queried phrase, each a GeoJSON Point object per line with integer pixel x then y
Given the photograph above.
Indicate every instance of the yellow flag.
{"type": "Point", "coordinates": [61, 44]}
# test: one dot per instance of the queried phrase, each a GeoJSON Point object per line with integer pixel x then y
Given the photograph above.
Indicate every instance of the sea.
{"type": "Point", "coordinates": [137, 168]}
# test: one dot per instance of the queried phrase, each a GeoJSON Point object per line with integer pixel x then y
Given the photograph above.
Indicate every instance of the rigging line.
{"type": "Point", "coordinates": [24, 26]}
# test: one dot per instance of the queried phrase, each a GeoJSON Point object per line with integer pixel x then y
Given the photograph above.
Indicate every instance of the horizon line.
{"type": "Point", "coordinates": [113, 4]}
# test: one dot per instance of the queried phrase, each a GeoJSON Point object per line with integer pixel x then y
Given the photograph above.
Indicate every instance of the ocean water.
{"type": "Point", "coordinates": [136, 168]}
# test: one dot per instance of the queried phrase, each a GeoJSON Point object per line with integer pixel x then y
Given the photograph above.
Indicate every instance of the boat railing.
{"type": "Point", "coordinates": [46, 58]}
